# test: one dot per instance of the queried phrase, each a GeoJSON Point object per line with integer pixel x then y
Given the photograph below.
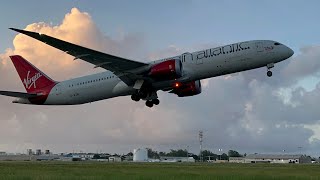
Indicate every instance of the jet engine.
{"type": "Point", "coordinates": [167, 70]}
{"type": "Point", "coordinates": [187, 89]}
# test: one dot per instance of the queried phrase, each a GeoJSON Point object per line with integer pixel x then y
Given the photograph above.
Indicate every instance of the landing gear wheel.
{"type": "Point", "coordinates": [269, 73]}
{"type": "Point", "coordinates": [149, 104]}
{"type": "Point", "coordinates": [155, 101]}
{"type": "Point", "coordinates": [135, 97]}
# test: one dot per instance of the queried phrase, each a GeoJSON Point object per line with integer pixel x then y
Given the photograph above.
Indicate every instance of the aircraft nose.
{"type": "Point", "coordinates": [290, 52]}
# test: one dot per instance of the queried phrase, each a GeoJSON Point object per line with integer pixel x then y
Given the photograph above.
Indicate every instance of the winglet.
{"type": "Point", "coordinates": [28, 33]}
{"type": "Point", "coordinates": [14, 29]}
{"type": "Point", "coordinates": [20, 30]}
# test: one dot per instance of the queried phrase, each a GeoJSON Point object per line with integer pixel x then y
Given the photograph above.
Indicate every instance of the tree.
{"type": "Point", "coordinates": [96, 156]}
{"type": "Point", "coordinates": [162, 153]}
{"type": "Point", "coordinates": [153, 154]}
{"type": "Point", "coordinates": [177, 153]}
{"type": "Point", "coordinates": [224, 156]}
{"type": "Point", "coordinates": [233, 153]}
{"type": "Point", "coordinates": [195, 157]}
{"type": "Point", "coordinates": [207, 153]}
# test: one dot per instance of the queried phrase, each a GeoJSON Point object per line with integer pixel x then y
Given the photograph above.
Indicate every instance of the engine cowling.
{"type": "Point", "coordinates": [187, 89]}
{"type": "Point", "coordinates": [167, 70]}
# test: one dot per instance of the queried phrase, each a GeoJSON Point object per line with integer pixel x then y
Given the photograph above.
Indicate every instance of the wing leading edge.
{"type": "Point", "coordinates": [124, 68]}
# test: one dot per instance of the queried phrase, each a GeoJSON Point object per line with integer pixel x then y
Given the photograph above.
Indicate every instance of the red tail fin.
{"type": "Point", "coordinates": [32, 78]}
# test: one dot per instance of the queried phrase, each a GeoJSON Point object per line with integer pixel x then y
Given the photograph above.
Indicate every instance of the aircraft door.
{"type": "Point", "coordinates": [187, 57]}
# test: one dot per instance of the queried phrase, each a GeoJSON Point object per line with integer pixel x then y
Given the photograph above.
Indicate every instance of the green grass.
{"type": "Point", "coordinates": [154, 171]}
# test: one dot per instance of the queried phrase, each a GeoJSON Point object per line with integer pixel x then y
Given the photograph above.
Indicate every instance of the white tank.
{"type": "Point", "coordinates": [140, 155]}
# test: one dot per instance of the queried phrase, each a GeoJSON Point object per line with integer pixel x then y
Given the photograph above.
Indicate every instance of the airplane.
{"type": "Point", "coordinates": [180, 74]}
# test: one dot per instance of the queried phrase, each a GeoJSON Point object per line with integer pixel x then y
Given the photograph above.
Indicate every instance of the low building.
{"type": "Point", "coordinates": [236, 160]}
{"type": "Point", "coordinates": [9, 157]}
{"type": "Point", "coordinates": [127, 158]}
{"type": "Point", "coordinates": [115, 159]}
{"type": "Point", "coordinates": [47, 157]}
{"type": "Point", "coordinates": [176, 159]}
{"type": "Point", "coordinates": [221, 161]}
{"type": "Point", "coordinates": [281, 158]}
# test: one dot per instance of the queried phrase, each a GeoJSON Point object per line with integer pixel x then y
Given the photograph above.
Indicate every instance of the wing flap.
{"type": "Point", "coordinates": [18, 94]}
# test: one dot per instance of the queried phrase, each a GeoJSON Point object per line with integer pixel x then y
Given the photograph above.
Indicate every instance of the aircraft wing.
{"type": "Point", "coordinates": [123, 68]}
{"type": "Point", "coordinates": [18, 94]}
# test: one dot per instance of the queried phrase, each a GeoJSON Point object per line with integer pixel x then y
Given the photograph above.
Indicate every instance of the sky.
{"type": "Point", "coordinates": [245, 111]}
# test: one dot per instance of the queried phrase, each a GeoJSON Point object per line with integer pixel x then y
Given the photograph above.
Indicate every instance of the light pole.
{"type": "Point", "coordinates": [187, 153]}
{"type": "Point", "coordinates": [220, 150]}
{"type": "Point", "coordinates": [300, 150]}
{"type": "Point", "coordinates": [200, 140]}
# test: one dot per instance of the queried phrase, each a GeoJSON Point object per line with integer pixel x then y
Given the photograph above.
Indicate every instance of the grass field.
{"type": "Point", "coordinates": [166, 171]}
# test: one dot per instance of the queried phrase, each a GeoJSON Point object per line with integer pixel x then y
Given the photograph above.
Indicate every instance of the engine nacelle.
{"type": "Point", "coordinates": [187, 89]}
{"type": "Point", "coordinates": [167, 70]}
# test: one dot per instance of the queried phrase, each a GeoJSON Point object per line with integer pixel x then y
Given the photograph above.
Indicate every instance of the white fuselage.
{"type": "Point", "coordinates": [196, 66]}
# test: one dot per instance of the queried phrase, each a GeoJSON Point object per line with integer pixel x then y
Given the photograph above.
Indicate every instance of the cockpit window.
{"type": "Point", "coordinates": [277, 44]}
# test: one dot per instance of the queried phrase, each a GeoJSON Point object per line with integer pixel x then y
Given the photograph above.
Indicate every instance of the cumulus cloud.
{"type": "Point", "coordinates": [246, 111]}
{"type": "Point", "coordinates": [77, 27]}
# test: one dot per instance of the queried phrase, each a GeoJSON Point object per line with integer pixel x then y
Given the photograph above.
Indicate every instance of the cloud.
{"type": "Point", "coordinates": [245, 111]}
{"type": "Point", "coordinates": [305, 64]}
{"type": "Point", "coordinates": [79, 28]}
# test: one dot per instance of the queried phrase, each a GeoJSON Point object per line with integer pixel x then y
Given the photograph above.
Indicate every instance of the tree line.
{"type": "Point", "coordinates": [206, 154]}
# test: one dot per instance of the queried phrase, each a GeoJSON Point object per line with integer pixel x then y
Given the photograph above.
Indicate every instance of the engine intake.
{"type": "Point", "coordinates": [170, 69]}
{"type": "Point", "coordinates": [187, 89]}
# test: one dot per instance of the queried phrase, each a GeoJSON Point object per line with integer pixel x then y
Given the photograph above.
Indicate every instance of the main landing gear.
{"type": "Point", "coordinates": [135, 97]}
{"type": "Point", "coordinates": [151, 98]}
{"type": "Point", "coordinates": [150, 103]}
{"type": "Point", "coordinates": [269, 66]}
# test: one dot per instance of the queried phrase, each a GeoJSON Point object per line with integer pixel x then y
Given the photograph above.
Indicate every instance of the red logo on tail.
{"type": "Point", "coordinates": [28, 82]}
{"type": "Point", "coordinates": [32, 78]}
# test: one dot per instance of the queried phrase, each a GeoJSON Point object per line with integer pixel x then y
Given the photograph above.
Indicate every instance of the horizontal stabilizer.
{"type": "Point", "coordinates": [18, 94]}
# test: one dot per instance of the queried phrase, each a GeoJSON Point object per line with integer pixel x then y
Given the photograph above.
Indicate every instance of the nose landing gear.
{"type": "Point", "coordinates": [269, 73]}
{"type": "Point", "coordinates": [269, 66]}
